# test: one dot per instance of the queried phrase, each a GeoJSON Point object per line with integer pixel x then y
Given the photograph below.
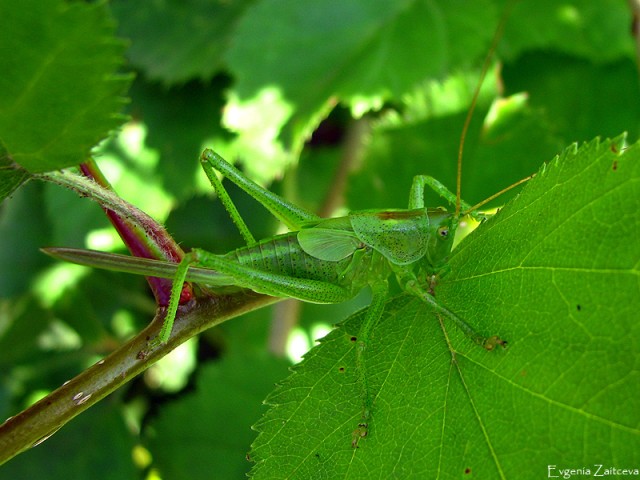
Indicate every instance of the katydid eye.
{"type": "Point", "coordinates": [443, 232]}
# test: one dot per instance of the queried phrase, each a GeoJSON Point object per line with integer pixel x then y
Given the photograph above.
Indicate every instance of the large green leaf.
{"type": "Point", "coordinates": [175, 41]}
{"type": "Point", "coordinates": [556, 274]}
{"type": "Point", "coordinates": [59, 93]}
{"type": "Point", "coordinates": [363, 53]}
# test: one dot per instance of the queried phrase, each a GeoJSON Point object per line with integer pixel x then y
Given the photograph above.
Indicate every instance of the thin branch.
{"type": "Point", "coordinates": [38, 422]}
{"type": "Point", "coordinates": [352, 152]}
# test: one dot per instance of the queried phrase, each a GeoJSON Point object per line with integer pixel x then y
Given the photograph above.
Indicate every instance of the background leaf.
{"type": "Point", "coordinates": [63, 95]}
{"type": "Point", "coordinates": [176, 41]}
{"type": "Point", "coordinates": [356, 52]}
{"type": "Point", "coordinates": [102, 426]}
{"type": "Point", "coordinates": [227, 398]}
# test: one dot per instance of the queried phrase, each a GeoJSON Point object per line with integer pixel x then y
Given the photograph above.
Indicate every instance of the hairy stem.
{"type": "Point", "coordinates": [143, 236]}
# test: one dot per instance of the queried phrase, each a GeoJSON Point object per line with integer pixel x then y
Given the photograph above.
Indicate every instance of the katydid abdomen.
{"type": "Point", "coordinates": [282, 259]}
{"type": "Point", "coordinates": [283, 255]}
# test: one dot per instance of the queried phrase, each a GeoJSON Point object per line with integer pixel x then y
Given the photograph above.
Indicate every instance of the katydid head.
{"type": "Point", "coordinates": [442, 230]}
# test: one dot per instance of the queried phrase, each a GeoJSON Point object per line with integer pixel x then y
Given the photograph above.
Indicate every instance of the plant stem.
{"type": "Point", "coordinates": [38, 422]}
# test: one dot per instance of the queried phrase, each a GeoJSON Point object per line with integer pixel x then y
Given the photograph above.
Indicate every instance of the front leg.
{"type": "Point", "coordinates": [416, 195]}
{"type": "Point", "coordinates": [410, 284]}
{"type": "Point", "coordinates": [489, 343]}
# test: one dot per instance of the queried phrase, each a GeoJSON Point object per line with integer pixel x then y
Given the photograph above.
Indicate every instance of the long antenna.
{"type": "Point", "coordinates": [496, 195]}
{"type": "Point", "coordinates": [485, 67]}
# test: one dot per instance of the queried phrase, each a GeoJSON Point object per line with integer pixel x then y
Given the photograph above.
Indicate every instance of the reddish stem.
{"type": "Point", "coordinates": [144, 238]}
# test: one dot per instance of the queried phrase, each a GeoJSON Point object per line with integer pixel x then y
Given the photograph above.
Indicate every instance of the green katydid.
{"type": "Point", "coordinates": [321, 260]}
